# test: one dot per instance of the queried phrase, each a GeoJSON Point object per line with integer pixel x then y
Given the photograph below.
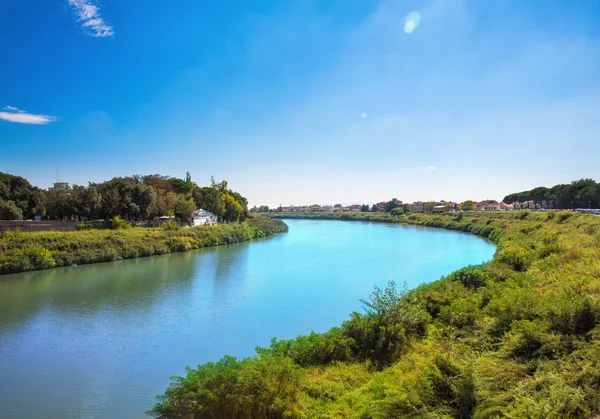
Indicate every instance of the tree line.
{"type": "Point", "coordinates": [131, 198]}
{"type": "Point", "coordinates": [583, 193]}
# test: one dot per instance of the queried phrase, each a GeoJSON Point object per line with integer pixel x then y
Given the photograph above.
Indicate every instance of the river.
{"type": "Point", "coordinates": [101, 340]}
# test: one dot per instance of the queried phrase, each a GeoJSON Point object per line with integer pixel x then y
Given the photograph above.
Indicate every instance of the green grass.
{"type": "Point", "coordinates": [21, 252]}
{"type": "Point", "coordinates": [516, 337]}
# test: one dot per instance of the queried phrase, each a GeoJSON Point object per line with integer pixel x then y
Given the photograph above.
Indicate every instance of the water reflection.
{"type": "Point", "coordinates": [122, 285]}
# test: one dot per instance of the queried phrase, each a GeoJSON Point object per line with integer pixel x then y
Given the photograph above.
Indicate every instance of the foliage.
{"type": "Point", "coordinates": [517, 336]}
{"type": "Point", "coordinates": [30, 251]}
{"type": "Point", "coordinates": [397, 212]}
{"type": "Point", "coordinates": [583, 193]}
{"type": "Point", "coordinates": [116, 223]}
{"type": "Point", "coordinates": [10, 211]}
{"type": "Point", "coordinates": [262, 208]}
{"type": "Point", "coordinates": [19, 199]}
{"type": "Point", "coordinates": [429, 206]}
{"type": "Point", "coordinates": [233, 209]}
{"type": "Point", "coordinates": [467, 206]}
{"type": "Point", "coordinates": [253, 388]}
{"type": "Point", "coordinates": [184, 210]}
{"type": "Point", "coordinates": [390, 206]}
{"type": "Point", "coordinates": [131, 198]}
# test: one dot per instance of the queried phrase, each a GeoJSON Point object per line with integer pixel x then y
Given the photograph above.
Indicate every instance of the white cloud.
{"type": "Point", "coordinates": [88, 14]}
{"type": "Point", "coordinates": [427, 168]}
{"type": "Point", "coordinates": [411, 22]}
{"type": "Point", "coordinates": [22, 117]}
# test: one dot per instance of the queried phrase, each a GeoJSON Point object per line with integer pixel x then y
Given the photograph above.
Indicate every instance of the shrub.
{"type": "Point", "coordinates": [563, 216]}
{"type": "Point", "coordinates": [117, 223]}
{"type": "Point", "coordinates": [314, 349]}
{"type": "Point", "coordinates": [572, 314]}
{"type": "Point", "coordinates": [397, 212]}
{"type": "Point", "coordinates": [93, 225]}
{"type": "Point", "coordinates": [470, 276]}
{"type": "Point", "coordinates": [519, 260]}
{"type": "Point", "coordinates": [262, 388]}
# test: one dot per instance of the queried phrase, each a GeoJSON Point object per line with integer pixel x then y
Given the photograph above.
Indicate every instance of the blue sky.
{"type": "Point", "coordinates": [300, 101]}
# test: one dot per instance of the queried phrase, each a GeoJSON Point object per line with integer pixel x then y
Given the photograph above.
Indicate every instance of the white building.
{"type": "Point", "coordinates": [203, 217]}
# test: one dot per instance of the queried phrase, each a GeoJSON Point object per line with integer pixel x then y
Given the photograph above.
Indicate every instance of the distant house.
{"type": "Point", "coordinates": [355, 208]}
{"type": "Point", "coordinates": [418, 206]}
{"type": "Point", "coordinates": [488, 205]}
{"type": "Point", "coordinates": [381, 206]}
{"type": "Point", "coordinates": [203, 217]}
{"type": "Point", "coordinates": [61, 186]}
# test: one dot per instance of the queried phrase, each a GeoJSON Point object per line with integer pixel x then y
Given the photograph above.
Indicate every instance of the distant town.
{"type": "Point", "coordinates": [418, 206]}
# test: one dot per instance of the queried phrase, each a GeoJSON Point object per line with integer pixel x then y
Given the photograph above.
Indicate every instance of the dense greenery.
{"type": "Point", "coordinates": [18, 198]}
{"type": "Point", "coordinates": [30, 251]}
{"type": "Point", "coordinates": [584, 193]}
{"type": "Point", "coordinates": [515, 337]}
{"type": "Point", "coordinates": [131, 198]}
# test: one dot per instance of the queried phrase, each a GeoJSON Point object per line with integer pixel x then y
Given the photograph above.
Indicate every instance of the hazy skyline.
{"type": "Point", "coordinates": [303, 102]}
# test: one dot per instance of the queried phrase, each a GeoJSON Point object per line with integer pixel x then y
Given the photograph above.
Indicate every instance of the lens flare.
{"type": "Point", "coordinates": [411, 22]}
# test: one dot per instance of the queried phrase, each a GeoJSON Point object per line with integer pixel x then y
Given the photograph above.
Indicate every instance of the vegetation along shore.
{"type": "Point", "coordinates": [30, 251]}
{"type": "Point", "coordinates": [515, 337]}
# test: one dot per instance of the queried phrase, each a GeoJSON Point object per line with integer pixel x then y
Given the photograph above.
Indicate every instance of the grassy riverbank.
{"type": "Point", "coordinates": [515, 337]}
{"type": "Point", "coordinates": [21, 252]}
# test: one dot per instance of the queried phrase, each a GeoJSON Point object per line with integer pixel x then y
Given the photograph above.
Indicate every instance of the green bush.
{"type": "Point", "coordinates": [397, 212]}
{"type": "Point", "coordinates": [470, 276]}
{"type": "Point", "coordinates": [563, 216]}
{"type": "Point", "coordinates": [262, 388]}
{"type": "Point", "coordinates": [519, 260]}
{"type": "Point", "coordinates": [117, 223]}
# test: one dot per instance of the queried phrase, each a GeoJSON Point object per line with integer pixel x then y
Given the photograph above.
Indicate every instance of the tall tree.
{"type": "Point", "coordinates": [184, 210]}
{"type": "Point", "coordinates": [233, 209]}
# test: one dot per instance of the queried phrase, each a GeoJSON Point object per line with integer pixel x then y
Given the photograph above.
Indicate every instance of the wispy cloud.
{"type": "Point", "coordinates": [88, 14]}
{"type": "Point", "coordinates": [427, 168]}
{"type": "Point", "coordinates": [23, 117]}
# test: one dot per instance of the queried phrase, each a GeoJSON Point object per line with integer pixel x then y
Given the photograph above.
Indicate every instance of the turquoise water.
{"type": "Point", "coordinates": [100, 341]}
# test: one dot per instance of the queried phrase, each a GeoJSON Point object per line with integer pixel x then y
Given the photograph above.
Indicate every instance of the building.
{"type": "Point", "coordinates": [418, 206]}
{"type": "Point", "coordinates": [61, 186]}
{"type": "Point", "coordinates": [203, 217]}
{"type": "Point", "coordinates": [442, 208]}
{"type": "Point", "coordinates": [381, 206]}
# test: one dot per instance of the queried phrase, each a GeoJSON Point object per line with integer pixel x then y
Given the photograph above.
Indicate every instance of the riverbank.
{"type": "Point", "coordinates": [21, 252]}
{"type": "Point", "coordinates": [514, 337]}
